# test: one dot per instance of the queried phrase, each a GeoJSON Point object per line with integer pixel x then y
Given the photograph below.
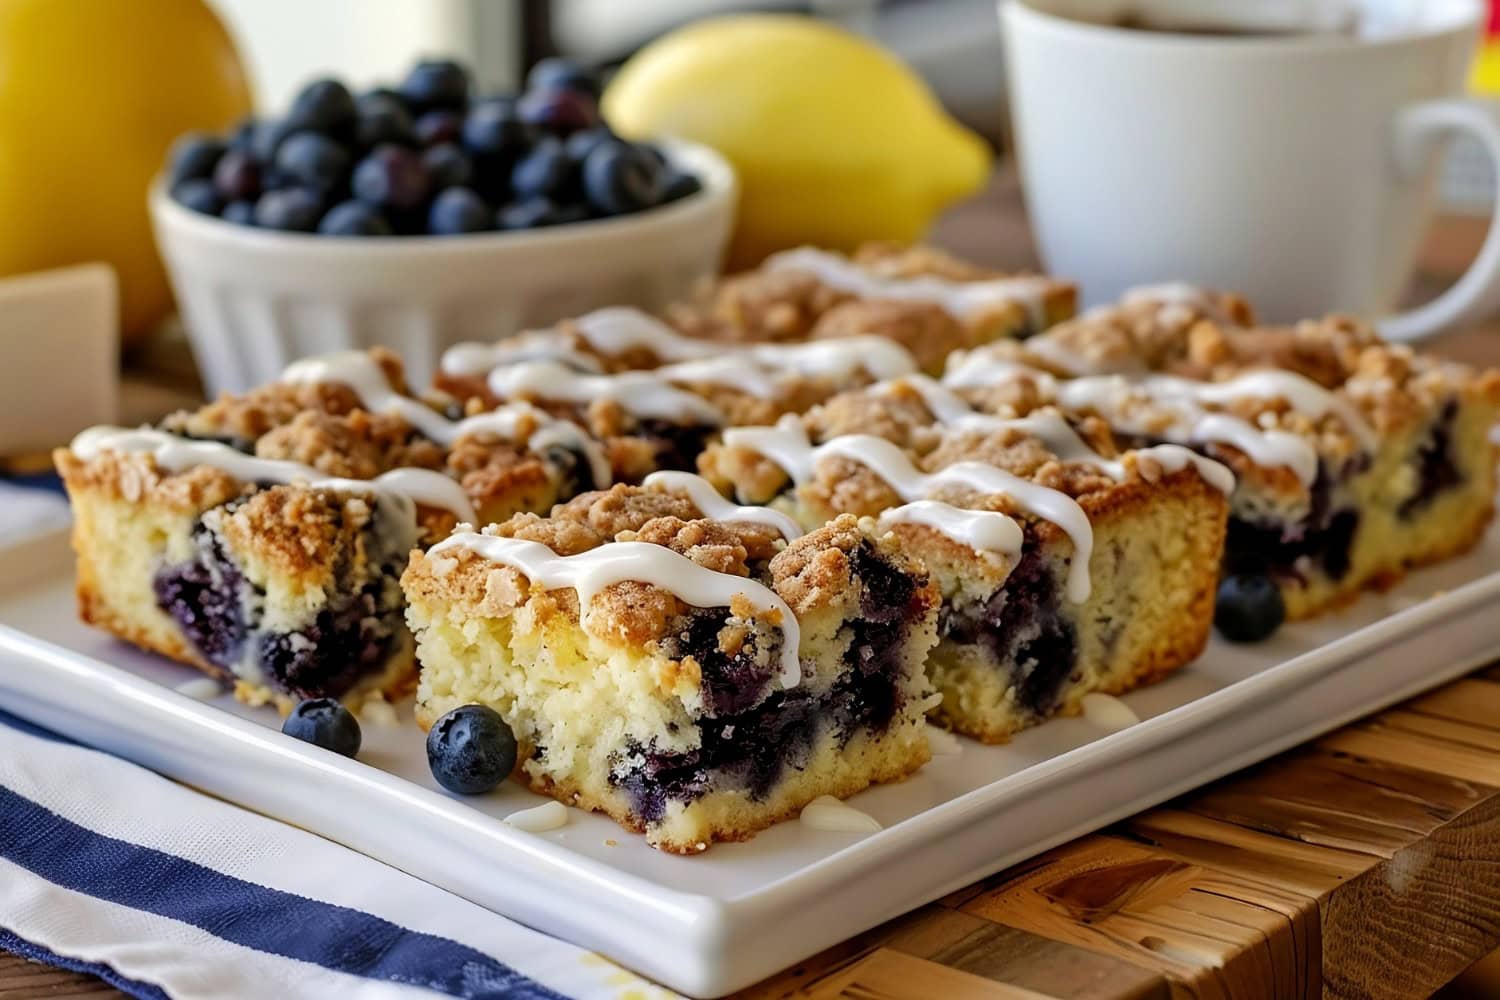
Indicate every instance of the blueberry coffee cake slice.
{"type": "Point", "coordinates": [697, 679]}
{"type": "Point", "coordinates": [919, 297]}
{"type": "Point", "coordinates": [1355, 459]}
{"type": "Point", "coordinates": [1065, 566]}
{"type": "Point", "coordinates": [261, 537]}
{"type": "Point", "coordinates": [263, 572]}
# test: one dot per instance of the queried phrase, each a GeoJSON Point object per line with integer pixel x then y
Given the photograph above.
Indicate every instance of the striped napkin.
{"type": "Point", "coordinates": [108, 868]}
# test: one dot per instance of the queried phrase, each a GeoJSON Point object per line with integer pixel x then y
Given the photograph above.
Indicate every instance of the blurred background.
{"type": "Point", "coordinates": [953, 44]}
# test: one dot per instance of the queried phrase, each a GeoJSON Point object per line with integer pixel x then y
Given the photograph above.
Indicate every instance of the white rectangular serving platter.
{"type": "Point", "coordinates": [716, 922]}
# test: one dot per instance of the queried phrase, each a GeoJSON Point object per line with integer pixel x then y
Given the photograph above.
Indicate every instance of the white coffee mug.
{"type": "Point", "coordinates": [1298, 168]}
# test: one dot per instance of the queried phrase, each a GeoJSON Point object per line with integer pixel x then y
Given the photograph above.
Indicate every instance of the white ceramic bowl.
{"type": "Point", "coordinates": [254, 300]}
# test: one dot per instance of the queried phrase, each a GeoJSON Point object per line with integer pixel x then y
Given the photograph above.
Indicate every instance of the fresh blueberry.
{"type": "Point", "coordinates": [293, 209]}
{"type": "Point", "coordinates": [557, 110]}
{"type": "Point", "coordinates": [310, 159]}
{"type": "Point", "coordinates": [532, 213]}
{"type": "Point", "coordinates": [237, 177]}
{"type": "Point", "coordinates": [1249, 608]}
{"type": "Point", "coordinates": [379, 96]}
{"type": "Point", "coordinates": [267, 139]}
{"type": "Point", "coordinates": [436, 84]}
{"type": "Point", "coordinates": [323, 106]}
{"type": "Point", "coordinates": [494, 130]}
{"type": "Point", "coordinates": [383, 120]}
{"type": "Point", "coordinates": [243, 136]}
{"type": "Point", "coordinates": [471, 750]}
{"type": "Point", "coordinates": [679, 184]}
{"type": "Point", "coordinates": [575, 211]}
{"type": "Point", "coordinates": [435, 127]}
{"type": "Point", "coordinates": [448, 166]}
{"type": "Point", "coordinates": [199, 195]}
{"type": "Point", "coordinates": [193, 156]}
{"type": "Point", "coordinates": [581, 144]}
{"type": "Point", "coordinates": [354, 218]}
{"type": "Point", "coordinates": [391, 177]}
{"type": "Point", "coordinates": [546, 170]}
{"type": "Point", "coordinates": [619, 177]}
{"type": "Point", "coordinates": [241, 213]}
{"type": "Point", "coordinates": [458, 210]}
{"type": "Point", "coordinates": [325, 723]}
{"type": "Point", "coordinates": [560, 73]}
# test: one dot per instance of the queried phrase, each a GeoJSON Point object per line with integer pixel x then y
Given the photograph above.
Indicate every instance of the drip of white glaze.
{"type": "Point", "coordinates": [590, 572]}
{"type": "Point", "coordinates": [981, 530]}
{"type": "Point", "coordinates": [942, 742]}
{"type": "Point", "coordinates": [961, 299]}
{"type": "Point", "coordinates": [828, 814]}
{"type": "Point", "coordinates": [539, 819]}
{"type": "Point", "coordinates": [1108, 712]}
{"type": "Point", "coordinates": [398, 490]}
{"type": "Point", "coordinates": [364, 376]}
{"type": "Point", "coordinates": [643, 394]}
{"type": "Point", "coordinates": [200, 688]}
{"type": "Point", "coordinates": [787, 445]}
{"type": "Point", "coordinates": [712, 504]}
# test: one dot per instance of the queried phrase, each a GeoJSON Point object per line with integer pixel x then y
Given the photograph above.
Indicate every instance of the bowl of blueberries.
{"type": "Point", "coordinates": [422, 215]}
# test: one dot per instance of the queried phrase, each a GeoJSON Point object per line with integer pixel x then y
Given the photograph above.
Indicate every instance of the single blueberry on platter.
{"type": "Point", "coordinates": [325, 723]}
{"type": "Point", "coordinates": [471, 750]}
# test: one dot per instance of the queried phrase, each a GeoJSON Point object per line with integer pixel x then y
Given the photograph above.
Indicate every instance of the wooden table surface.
{"type": "Point", "coordinates": [1365, 864]}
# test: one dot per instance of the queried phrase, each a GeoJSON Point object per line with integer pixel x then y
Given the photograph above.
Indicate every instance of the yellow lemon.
{"type": "Point", "coordinates": [836, 141]}
{"type": "Point", "coordinates": [92, 93]}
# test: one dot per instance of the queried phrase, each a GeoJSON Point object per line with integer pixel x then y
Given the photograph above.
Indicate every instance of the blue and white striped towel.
{"type": "Point", "coordinates": [108, 868]}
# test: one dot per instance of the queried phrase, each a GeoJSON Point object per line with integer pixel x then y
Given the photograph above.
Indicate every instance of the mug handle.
{"type": "Point", "coordinates": [1419, 128]}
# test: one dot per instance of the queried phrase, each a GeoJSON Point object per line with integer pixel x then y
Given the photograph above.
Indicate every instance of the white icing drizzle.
{"type": "Point", "coordinates": [838, 357]}
{"type": "Point", "coordinates": [364, 376]}
{"type": "Point", "coordinates": [961, 299]}
{"type": "Point", "coordinates": [617, 329]}
{"type": "Point", "coordinates": [539, 819]}
{"type": "Point", "coordinates": [399, 490]}
{"type": "Point", "coordinates": [981, 530]}
{"type": "Point", "coordinates": [540, 345]}
{"type": "Point", "coordinates": [590, 572]}
{"type": "Point", "coordinates": [982, 371]}
{"type": "Point", "coordinates": [787, 445]}
{"type": "Point", "coordinates": [1062, 440]}
{"type": "Point", "coordinates": [641, 393]}
{"type": "Point", "coordinates": [1111, 396]}
{"type": "Point", "coordinates": [733, 371]}
{"type": "Point", "coordinates": [1056, 433]}
{"type": "Point", "coordinates": [943, 404]}
{"type": "Point", "coordinates": [1057, 354]}
{"type": "Point", "coordinates": [828, 814]}
{"type": "Point", "coordinates": [713, 505]}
